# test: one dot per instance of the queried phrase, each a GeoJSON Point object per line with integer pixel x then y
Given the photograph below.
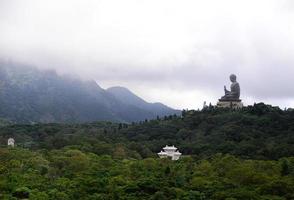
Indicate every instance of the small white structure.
{"type": "Point", "coordinates": [11, 142]}
{"type": "Point", "coordinates": [170, 151]}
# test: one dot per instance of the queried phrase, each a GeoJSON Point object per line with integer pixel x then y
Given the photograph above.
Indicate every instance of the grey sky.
{"type": "Point", "coordinates": [179, 52]}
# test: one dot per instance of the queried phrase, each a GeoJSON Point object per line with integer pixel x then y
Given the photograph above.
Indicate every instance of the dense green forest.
{"type": "Point", "coordinates": [228, 155]}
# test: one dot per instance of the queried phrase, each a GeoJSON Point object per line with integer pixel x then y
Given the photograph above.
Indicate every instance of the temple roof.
{"type": "Point", "coordinates": [170, 148]}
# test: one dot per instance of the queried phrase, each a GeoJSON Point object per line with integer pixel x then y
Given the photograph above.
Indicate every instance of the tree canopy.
{"type": "Point", "coordinates": [228, 154]}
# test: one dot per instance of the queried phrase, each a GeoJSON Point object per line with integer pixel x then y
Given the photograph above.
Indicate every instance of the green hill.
{"type": "Point", "coordinates": [228, 155]}
{"type": "Point", "coordinates": [260, 132]}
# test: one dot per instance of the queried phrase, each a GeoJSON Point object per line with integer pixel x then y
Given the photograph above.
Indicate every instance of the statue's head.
{"type": "Point", "coordinates": [233, 77]}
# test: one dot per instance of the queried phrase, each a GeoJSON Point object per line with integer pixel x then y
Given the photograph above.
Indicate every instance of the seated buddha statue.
{"type": "Point", "coordinates": [234, 94]}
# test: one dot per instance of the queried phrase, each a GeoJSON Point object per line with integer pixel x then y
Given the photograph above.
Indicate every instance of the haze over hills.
{"type": "Point", "coordinates": [29, 95]}
{"type": "Point", "coordinates": [129, 98]}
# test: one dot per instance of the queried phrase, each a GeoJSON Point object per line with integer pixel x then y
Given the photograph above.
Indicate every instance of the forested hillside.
{"type": "Point", "coordinates": [228, 155]}
{"type": "Point", "coordinates": [260, 132]}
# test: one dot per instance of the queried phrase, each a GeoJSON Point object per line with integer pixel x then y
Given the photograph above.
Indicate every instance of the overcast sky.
{"type": "Point", "coordinates": [179, 52]}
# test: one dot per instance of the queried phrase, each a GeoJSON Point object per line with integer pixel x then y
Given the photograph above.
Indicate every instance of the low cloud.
{"type": "Point", "coordinates": [161, 49]}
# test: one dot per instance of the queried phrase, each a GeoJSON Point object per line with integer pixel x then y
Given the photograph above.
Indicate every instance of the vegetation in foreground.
{"type": "Point", "coordinates": [245, 154]}
{"type": "Point", "coordinates": [73, 174]}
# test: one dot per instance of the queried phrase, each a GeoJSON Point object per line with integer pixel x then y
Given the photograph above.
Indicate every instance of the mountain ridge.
{"type": "Point", "coordinates": [31, 95]}
{"type": "Point", "coordinates": [128, 97]}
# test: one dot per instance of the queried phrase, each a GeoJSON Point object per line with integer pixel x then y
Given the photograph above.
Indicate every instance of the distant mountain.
{"type": "Point", "coordinates": [129, 98]}
{"type": "Point", "coordinates": [29, 95]}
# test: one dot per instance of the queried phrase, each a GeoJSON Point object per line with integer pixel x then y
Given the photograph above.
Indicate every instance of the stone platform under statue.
{"type": "Point", "coordinates": [231, 99]}
{"type": "Point", "coordinates": [234, 104]}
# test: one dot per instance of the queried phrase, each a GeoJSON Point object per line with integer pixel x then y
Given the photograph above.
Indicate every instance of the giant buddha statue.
{"type": "Point", "coordinates": [234, 94]}
{"type": "Point", "coordinates": [232, 97]}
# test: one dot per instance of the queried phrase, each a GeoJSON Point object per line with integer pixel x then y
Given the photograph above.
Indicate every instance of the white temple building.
{"type": "Point", "coordinates": [170, 151]}
{"type": "Point", "coordinates": [11, 142]}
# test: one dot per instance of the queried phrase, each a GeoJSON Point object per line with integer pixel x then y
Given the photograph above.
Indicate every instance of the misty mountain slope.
{"type": "Point", "coordinates": [129, 98]}
{"type": "Point", "coordinates": [30, 95]}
